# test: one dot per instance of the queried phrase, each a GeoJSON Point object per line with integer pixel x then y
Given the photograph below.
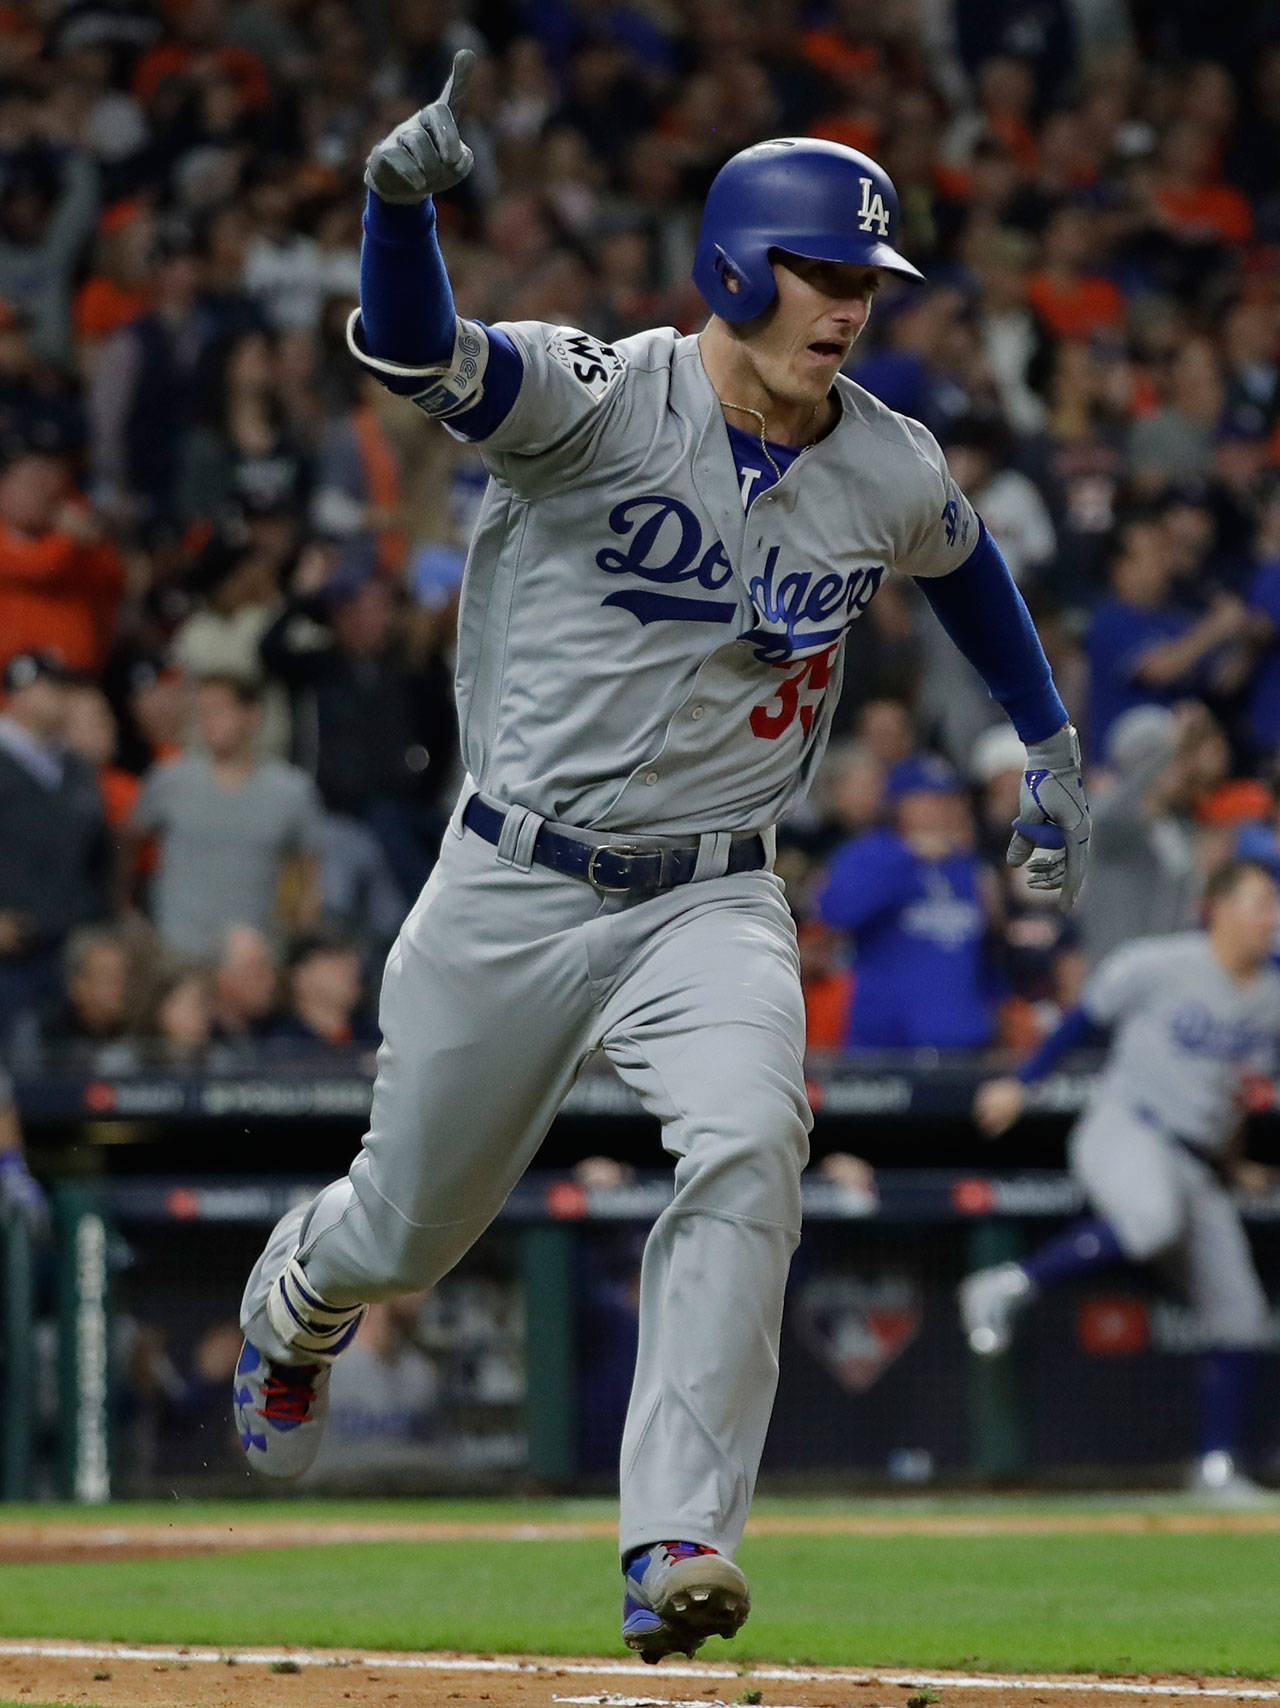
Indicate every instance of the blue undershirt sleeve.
{"type": "Point", "coordinates": [983, 612]}
{"type": "Point", "coordinates": [1074, 1031]}
{"type": "Point", "coordinates": [406, 301]}
{"type": "Point", "coordinates": [407, 313]}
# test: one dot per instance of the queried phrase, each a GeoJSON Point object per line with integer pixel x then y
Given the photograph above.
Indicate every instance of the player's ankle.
{"type": "Point", "coordinates": [314, 1330]}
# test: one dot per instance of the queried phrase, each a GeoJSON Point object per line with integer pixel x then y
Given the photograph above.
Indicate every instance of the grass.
{"type": "Point", "coordinates": [1131, 1603]}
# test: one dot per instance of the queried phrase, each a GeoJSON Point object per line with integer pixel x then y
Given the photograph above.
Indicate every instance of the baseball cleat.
{"type": "Point", "coordinates": [1216, 1481]}
{"type": "Point", "coordinates": [281, 1411]}
{"type": "Point", "coordinates": [989, 1301]}
{"type": "Point", "coordinates": [677, 1595]}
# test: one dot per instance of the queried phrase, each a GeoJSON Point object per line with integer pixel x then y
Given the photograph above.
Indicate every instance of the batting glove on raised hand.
{"type": "Point", "coordinates": [1053, 818]}
{"type": "Point", "coordinates": [22, 1195]}
{"type": "Point", "coordinates": [425, 154]}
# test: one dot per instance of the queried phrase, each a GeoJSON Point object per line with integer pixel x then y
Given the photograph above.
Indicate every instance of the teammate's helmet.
{"type": "Point", "coordinates": [813, 198]}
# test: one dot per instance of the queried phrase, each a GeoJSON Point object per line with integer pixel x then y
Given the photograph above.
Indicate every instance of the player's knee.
{"type": "Point", "coordinates": [746, 1153]}
{"type": "Point", "coordinates": [411, 1258]}
{"type": "Point", "coordinates": [1152, 1232]}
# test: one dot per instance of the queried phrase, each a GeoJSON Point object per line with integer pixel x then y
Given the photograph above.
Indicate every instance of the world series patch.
{"type": "Point", "coordinates": [594, 365]}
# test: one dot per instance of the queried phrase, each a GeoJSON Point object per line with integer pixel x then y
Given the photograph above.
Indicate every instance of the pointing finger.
{"type": "Point", "coordinates": [455, 90]}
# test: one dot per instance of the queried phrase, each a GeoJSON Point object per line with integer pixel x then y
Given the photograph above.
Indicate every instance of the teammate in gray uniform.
{"type": "Point", "coordinates": [676, 535]}
{"type": "Point", "coordinates": [1156, 1151]}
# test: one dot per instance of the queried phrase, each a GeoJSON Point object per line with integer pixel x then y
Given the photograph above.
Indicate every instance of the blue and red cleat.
{"type": "Point", "coordinates": [676, 1595]}
{"type": "Point", "coordinates": [281, 1411]}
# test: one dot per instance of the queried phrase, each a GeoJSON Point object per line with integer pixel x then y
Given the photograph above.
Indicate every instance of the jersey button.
{"type": "Point", "coordinates": [651, 777]}
{"type": "Point", "coordinates": [696, 712]}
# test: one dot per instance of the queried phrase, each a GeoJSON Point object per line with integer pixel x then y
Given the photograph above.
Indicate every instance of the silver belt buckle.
{"type": "Point", "coordinates": [615, 848]}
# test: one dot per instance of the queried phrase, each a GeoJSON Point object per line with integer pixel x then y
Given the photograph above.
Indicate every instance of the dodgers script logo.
{"type": "Point", "coordinates": [1194, 1028]}
{"type": "Point", "coordinates": [664, 545]}
{"type": "Point", "coordinates": [787, 602]}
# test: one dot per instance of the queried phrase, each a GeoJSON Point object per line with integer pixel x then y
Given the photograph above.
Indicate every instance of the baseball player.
{"type": "Point", "coordinates": [676, 535]}
{"type": "Point", "coordinates": [1155, 1151]}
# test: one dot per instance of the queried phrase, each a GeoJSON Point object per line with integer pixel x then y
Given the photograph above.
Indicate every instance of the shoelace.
{"type": "Point", "coordinates": [288, 1401]}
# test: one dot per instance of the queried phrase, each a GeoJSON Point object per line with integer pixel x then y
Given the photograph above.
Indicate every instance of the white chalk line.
{"type": "Point", "coordinates": [624, 1669]}
{"type": "Point", "coordinates": [609, 1700]}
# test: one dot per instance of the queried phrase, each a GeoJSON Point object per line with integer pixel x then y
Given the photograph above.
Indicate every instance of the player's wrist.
{"type": "Point", "coordinates": [389, 221]}
{"type": "Point", "coordinates": [1057, 752]}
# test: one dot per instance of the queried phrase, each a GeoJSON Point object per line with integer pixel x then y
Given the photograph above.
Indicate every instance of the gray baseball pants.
{"type": "Point", "coordinates": [1170, 1208]}
{"type": "Point", "coordinates": [502, 981]}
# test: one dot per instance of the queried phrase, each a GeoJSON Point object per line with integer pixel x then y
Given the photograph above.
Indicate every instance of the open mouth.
{"type": "Point", "coordinates": [828, 348]}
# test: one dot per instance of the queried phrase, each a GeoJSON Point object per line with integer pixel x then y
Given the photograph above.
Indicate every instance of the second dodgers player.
{"type": "Point", "coordinates": [676, 535]}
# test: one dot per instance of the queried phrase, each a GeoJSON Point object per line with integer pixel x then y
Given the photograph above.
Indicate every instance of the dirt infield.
{"type": "Point", "coordinates": [29, 1543]}
{"type": "Point", "coordinates": [113, 1676]}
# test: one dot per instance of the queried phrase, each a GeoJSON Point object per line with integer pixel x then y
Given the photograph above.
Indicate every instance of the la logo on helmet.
{"type": "Point", "coordinates": [873, 211]}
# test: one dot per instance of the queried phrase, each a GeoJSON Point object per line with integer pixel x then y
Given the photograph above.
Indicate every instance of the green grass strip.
{"type": "Point", "coordinates": [1145, 1603]}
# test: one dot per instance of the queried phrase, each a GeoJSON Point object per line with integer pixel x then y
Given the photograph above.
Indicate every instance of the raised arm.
{"type": "Point", "coordinates": [407, 329]}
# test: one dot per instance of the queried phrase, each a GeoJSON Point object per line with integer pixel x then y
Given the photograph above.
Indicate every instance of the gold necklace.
{"type": "Point", "coordinates": [746, 409]}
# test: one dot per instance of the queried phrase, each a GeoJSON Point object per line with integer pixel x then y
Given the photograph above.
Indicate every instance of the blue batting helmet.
{"type": "Point", "coordinates": [798, 193]}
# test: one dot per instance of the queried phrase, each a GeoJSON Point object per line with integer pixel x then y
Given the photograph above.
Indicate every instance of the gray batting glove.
{"type": "Point", "coordinates": [1053, 818]}
{"type": "Point", "coordinates": [425, 154]}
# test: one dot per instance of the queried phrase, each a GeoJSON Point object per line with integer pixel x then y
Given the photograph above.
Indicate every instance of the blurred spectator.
{"type": "Point", "coordinates": [101, 1002]}
{"type": "Point", "coordinates": [41, 408]}
{"type": "Point", "coordinates": [183, 1014]}
{"type": "Point", "coordinates": [359, 487]}
{"type": "Point", "coordinates": [326, 997]}
{"type": "Point", "coordinates": [48, 205]}
{"type": "Point", "coordinates": [912, 897]}
{"type": "Point", "coordinates": [978, 450]}
{"type": "Point", "coordinates": [245, 455]}
{"type": "Point", "coordinates": [246, 987]}
{"type": "Point", "coordinates": [378, 710]}
{"type": "Point", "coordinates": [1191, 201]}
{"type": "Point", "coordinates": [1071, 299]}
{"type": "Point", "coordinates": [117, 289]}
{"type": "Point", "coordinates": [1263, 597]}
{"type": "Point", "coordinates": [827, 985]}
{"type": "Point", "coordinates": [60, 578]}
{"type": "Point", "coordinates": [1145, 873]}
{"type": "Point", "coordinates": [385, 1402]}
{"type": "Point", "coordinates": [236, 581]}
{"type": "Point", "coordinates": [92, 733]}
{"type": "Point", "coordinates": [286, 272]}
{"type": "Point", "coordinates": [147, 389]}
{"type": "Point", "coordinates": [1175, 442]}
{"type": "Point", "coordinates": [1012, 339]}
{"type": "Point", "coordinates": [1145, 648]}
{"type": "Point", "coordinates": [885, 730]}
{"type": "Point", "coordinates": [239, 837]}
{"type": "Point", "coordinates": [54, 853]}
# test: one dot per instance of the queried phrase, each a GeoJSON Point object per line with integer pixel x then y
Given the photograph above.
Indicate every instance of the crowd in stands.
{"type": "Point", "coordinates": [229, 562]}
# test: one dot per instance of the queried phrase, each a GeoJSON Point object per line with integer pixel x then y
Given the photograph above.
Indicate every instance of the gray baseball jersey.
{"type": "Point", "coordinates": [1185, 1031]}
{"type": "Point", "coordinates": [636, 651]}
